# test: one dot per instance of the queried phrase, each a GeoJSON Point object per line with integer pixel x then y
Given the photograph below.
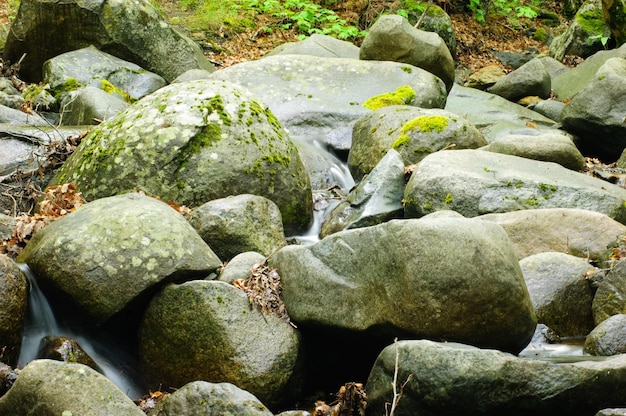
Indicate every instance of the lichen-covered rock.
{"type": "Point", "coordinates": [191, 143]}
{"type": "Point", "coordinates": [608, 338]}
{"type": "Point", "coordinates": [13, 304]}
{"type": "Point", "coordinates": [207, 330]}
{"type": "Point", "coordinates": [393, 38]}
{"type": "Point", "coordinates": [413, 132]}
{"type": "Point", "coordinates": [110, 251]}
{"type": "Point", "coordinates": [201, 398]}
{"type": "Point", "coordinates": [132, 30]}
{"type": "Point", "coordinates": [474, 182]}
{"type": "Point", "coordinates": [47, 387]}
{"type": "Point", "coordinates": [450, 277]}
{"type": "Point", "coordinates": [578, 232]}
{"type": "Point", "coordinates": [548, 147]}
{"type": "Point", "coordinates": [435, 20]}
{"type": "Point", "coordinates": [455, 379]}
{"type": "Point", "coordinates": [560, 292]}
{"type": "Point", "coordinates": [238, 224]}
{"type": "Point", "coordinates": [90, 105]}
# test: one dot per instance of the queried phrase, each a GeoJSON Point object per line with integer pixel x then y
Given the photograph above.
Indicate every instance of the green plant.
{"type": "Point", "coordinates": [482, 9]}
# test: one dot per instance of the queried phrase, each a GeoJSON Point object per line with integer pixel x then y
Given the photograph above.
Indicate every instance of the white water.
{"type": "Point", "coordinates": [42, 321]}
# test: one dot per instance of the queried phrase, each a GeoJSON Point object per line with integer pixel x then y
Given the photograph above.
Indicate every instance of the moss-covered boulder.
{"type": "Point", "coordinates": [207, 330]}
{"type": "Point", "coordinates": [107, 253]}
{"type": "Point", "coordinates": [436, 20]}
{"type": "Point", "coordinates": [13, 303]}
{"type": "Point", "coordinates": [411, 131]}
{"type": "Point", "coordinates": [191, 143]}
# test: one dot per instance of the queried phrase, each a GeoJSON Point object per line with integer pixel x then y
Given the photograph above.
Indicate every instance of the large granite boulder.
{"type": "Point", "coordinates": [131, 30]}
{"type": "Point", "coordinates": [578, 232]}
{"type": "Point", "coordinates": [47, 387]}
{"type": "Point", "coordinates": [531, 79]}
{"type": "Point", "coordinates": [13, 306]}
{"type": "Point", "coordinates": [454, 379]}
{"type": "Point", "coordinates": [597, 112]}
{"type": "Point", "coordinates": [608, 338]}
{"type": "Point", "coordinates": [207, 330]}
{"type": "Point", "coordinates": [191, 143]}
{"type": "Point", "coordinates": [560, 292]}
{"type": "Point", "coordinates": [441, 278]}
{"type": "Point", "coordinates": [90, 105]}
{"type": "Point", "coordinates": [393, 38]}
{"type": "Point", "coordinates": [320, 98]}
{"type": "Point", "coordinates": [473, 182]}
{"type": "Point", "coordinates": [413, 132]}
{"type": "Point", "coordinates": [201, 398]}
{"type": "Point", "coordinates": [108, 252]}
{"type": "Point", "coordinates": [238, 224]}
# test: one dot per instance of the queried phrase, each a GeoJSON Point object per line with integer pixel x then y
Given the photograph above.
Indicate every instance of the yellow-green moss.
{"type": "Point", "coordinates": [109, 88]}
{"type": "Point", "coordinates": [403, 95]}
{"type": "Point", "coordinates": [426, 124]}
{"type": "Point", "coordinates": [69, 85]}
{"type": "Point", "coordinates": [403, 140]}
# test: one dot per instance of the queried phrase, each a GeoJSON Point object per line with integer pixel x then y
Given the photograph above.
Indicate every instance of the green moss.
{"type": "Point", "coordinates": [407, 69]}
{"type": "Point", "coordinates": [109, 88]}
{"type": "Point", "coordinates": [213, 105]}
{"type": "Point", "coordinates": [69, 85]}
{"type": "Point", "coordinates": [401, 141]}
{"type": "Point", "coordinates": [426, 124]}
{"type": "Point", "coordinates": [209, 134]}
{"type": "Point", "coordinates": [403, 95]}
{"type": "Point", "coordinates": [161, 108]}
{"type": "Point", "coordinates": [540, 34]}
{"type": "Point", "coordinates": [448, 199]}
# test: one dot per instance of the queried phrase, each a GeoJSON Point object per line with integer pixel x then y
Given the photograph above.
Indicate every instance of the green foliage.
{"type": "Point", "coordinates": [481, 9]}
{"type": "Point", "coordinates": [306, 17]}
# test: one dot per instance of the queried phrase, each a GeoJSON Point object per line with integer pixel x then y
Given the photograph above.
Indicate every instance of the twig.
{"type": "Point", "coordinates": [419, 21]}
{"type": "Point", "coordinates": [397, 395]}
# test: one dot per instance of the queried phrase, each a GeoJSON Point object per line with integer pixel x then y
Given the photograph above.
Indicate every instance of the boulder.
{"type": "Point", "coordinates": [393, 38]}
{"type": "Point", "coordinates": [65, 349]}
{"type": "Point", "coordinates": [321, 98]}
{"type": "Point", "coordinates": [238, 224]}
{"type": "Point", "coordinates": [473, 182]}
{"type": "Point", "coordinates": [459, 281]}
{"type": "Point", "coordinates": [131, 30]}
{"type": "Point", "coordinates": [560, 292]}
{"type": "Point", "coordinates": [608, 338]}
{"type": "Point", "coordinates": [191, 143]}
{"type": "Point", "coordinates": [413, 132]}
{"type": "Point", "coordinates": [110, 251]}
{"type": "Point", "coordinates": [435, 20]}
{"type": "Point", "coordinates": [207, 330]}
{"type": "Point", "coordinates": [596, 113]}
{"type": "Point", "coordinates": [495, 115]}
{"type": "Point", "coordinates": [584, 35]}
{"type": "Point", "coordinates": [548, 147]}
{"type": "Point", "coordinates": [376, 199]}
{"type": "Point", "coordinates": [578, 232]}
{"type": "Point", "coordinates": [530, 79]}
{"type": "Point", "coordinates": [12, 116]}
{"type": "Point", "coordinates": [47, 387]}
{"type": "Point", "coordinates": [454, 379]}
{"type": "Point", "coordinates": [240, 266]}
{"type": "Point", "coordinates": [91, 67]}
{"type": "Point", "coordinates": [612, 412]}
{"type": "Point", "coordinates": [610, 298]}
{"type": "Point", "coordinates": [549, 108]}
{"type": "Point", "coordinates": [324, 168]}
{"type": "Point", "coordinates": [9, 95]}
{"type": "Point", "coordinates": [323, 46]}
{"type": "Point", "coordinates": [13, 306]}
{"type": "Point", "coordinates": [90, 105]}
{"type": "Point", "coordinates": [201, 398]}
{"type": "Point", "coordinates": [485, 77]}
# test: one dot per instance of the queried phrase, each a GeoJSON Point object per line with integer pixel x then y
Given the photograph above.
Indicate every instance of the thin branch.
{"type": "Point", "coordinates": [419, 21]}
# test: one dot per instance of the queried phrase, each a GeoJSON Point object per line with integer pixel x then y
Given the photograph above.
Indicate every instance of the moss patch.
{"type": "Point", "coordinates": [426, 124]}
{"type": "Point", "coordinates": [403, 95]}
{"type": "Point", "coordinates": [401, 141]}
{"type": "Point", "coordinates": [207, 136]}
{"type": "Point", "coordinates": [69, 85]}
{"type": "Point", "coordinates": [109, 88]}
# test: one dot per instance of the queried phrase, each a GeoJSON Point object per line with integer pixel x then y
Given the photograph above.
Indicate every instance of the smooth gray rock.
{"type": "Point", "coordinates": [207, 330]}
{"type": "Point", "coordinates": [201, 398]}
{"type": "Point", "coordinates": [238, 224]}
{"type": "Point", "coordinates": [191, 143]}
{"type": "Point", "coordinates": [108, 252]}
{"type": "Point", "coordinates": [321, 98]}
{"type": "Point", "coordinates": [376, 199]}
{"type": "Point", "coordinates": [130, 30]}
{"type": "Point", "coordinates": [90, 105]}
{"type": "Point", "coordinates": [608, 338]}
{"type": "Point", "coordinates": [530, 79]}
{"type": "Point", "coordinates": [494, 115]}
{"type": "Point", "coordinates": [47, 387]}
{"type": "Point", "coordinates": [413, 132]}
{"type": "Point", "coordinates": [597, 112]}
{"type": "Point", "coordinates": [548, 147]}
{"type": "Point", "coordinates": [240, 266]}
{"type": "Point", "coordinates": [549, 108]}
{"type": "Point", "coordinates": [610, 298]}
{"type": "Point", "coordinates": [13, 305]}
{"type": "Point", "coordinates": [323, 46]}
{"type": "Point", "coordinates": [451, 278]}
{"type": "Point", "coordinates": [454, 379]}
{"type": "Point", "coordinates": [12, 116]}
{"type": "Point", "coordinates": [473, 182]}
{"type": "Point", "coordinates": [90, 67]}
{"type": "Point", "coordinates": [578, 232]}
{"type": "Point", "coordinates": [393, 38]}
{"type": "Point", "coordinates": [560, 292]}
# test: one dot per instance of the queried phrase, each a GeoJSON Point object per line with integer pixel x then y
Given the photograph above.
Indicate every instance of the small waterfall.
{"type": "Point", "coordinates": [42, 320]}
